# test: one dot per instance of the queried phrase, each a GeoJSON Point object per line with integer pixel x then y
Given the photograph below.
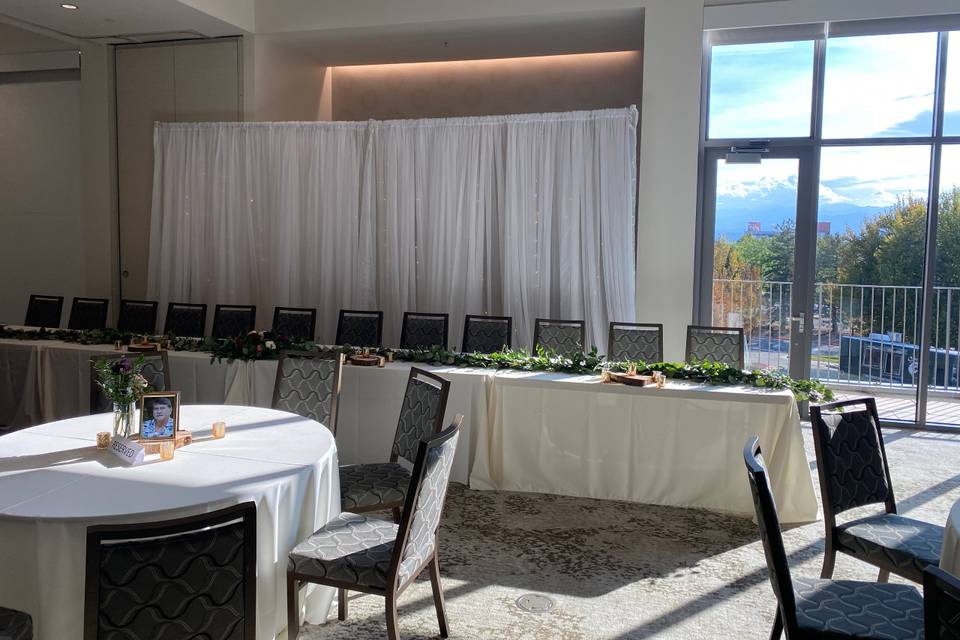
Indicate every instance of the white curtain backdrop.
{"type": "Point", "coordinates": [528, 216]}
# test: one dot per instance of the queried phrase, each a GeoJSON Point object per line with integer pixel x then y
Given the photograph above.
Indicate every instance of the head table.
{"type": "Point", "coordinates": [54, 483]}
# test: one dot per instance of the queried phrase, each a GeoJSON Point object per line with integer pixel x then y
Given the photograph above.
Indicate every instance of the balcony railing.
{"type": "Point", "coordinates": [861, 334]}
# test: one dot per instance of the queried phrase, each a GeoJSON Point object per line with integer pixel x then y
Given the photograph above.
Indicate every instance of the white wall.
{"type": "Point", "coordinates": [41, 192]}
{"type": "Point", "coordinates": [283, 84]}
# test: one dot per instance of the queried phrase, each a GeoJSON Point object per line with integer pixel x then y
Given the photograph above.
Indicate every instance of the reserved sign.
{"type": "Point", "coordinates": [127, 450]}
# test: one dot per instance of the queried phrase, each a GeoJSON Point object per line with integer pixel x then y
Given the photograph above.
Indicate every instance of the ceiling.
{"type": "Point", "coordinates": [14, 40]}
{"type": "Point", "coordinates": [116, 21]}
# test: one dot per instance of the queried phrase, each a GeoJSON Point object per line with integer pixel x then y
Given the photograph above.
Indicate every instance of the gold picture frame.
{"type": "Point", "coordinates": [162, 406]}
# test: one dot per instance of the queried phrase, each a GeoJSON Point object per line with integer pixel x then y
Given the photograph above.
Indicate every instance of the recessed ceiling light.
{"type": "Point", "coordinates": [69, 6]}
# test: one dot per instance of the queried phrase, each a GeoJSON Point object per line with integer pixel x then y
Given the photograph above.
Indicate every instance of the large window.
{"type": "Point", "coordinates": [818, 149]}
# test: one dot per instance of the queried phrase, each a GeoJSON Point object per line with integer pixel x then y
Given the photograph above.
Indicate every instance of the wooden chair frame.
{"type": "Point", "coordinates": [541, 321]}
{"type": "Point", "coordinates": [728, 330]}
{"type": "Point", "coordinates": [252, 309]}
{"type": "Point", "coordinates": [326, 355]}
{"type": "Point", "coordinates": [277, 311]}
{"type": "Point", "coordinates": [246, 511]}
{"type": "Point", "coordinates": [443, 316]}
{"type": "Point", "coordinates": [343, 312]}
{"type": "Point", "coordinates": [104, 308]}
{"type": "Point", "coordinates": [638, 325]}
{"type": "Point", "coordinates": [467, 319]}
{"type": "Point", "coordinates": [203, 317]}
{"type": "Point", "coordinates": [39, 296]}
{"type": "Point", "coordinates": [124, 306]}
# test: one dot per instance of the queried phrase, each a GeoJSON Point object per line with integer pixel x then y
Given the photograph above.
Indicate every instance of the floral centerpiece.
{"type": "Point", "coordinates": [255, 345]}
{"type": "Point", "coordinates": [122, 383]}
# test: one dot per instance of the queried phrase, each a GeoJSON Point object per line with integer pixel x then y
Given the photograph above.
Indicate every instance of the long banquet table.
{"type": "Point", "coordinates": [523, 431]}
{"type": "Point", "coordinates": [54, 483]}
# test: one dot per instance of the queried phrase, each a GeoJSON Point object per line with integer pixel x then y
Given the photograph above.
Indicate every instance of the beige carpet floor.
{"type": "Point", "coordinates": [618, 570]}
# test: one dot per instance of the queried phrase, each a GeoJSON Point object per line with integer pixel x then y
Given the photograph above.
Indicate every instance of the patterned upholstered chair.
{"type": "Point", "coordinates": [186, 320]}
{"type": "Point", "coordinates": [826, 609]}
{"type": "Point", "coordinates": [231, 320]}
{"type": "Point", "coordinates": [295, 323]}
{"type": "Point", "coordinates": [715, 344]}
{"type": "Point", "coordinates": [941, 604]}
{"type": "Point", "coordinates": [375, 486]}
{"type": "Point", "coordinates": [632, 342]}
{"type": "Point", "coordinates": [852, 465]}
{"type": "Point", "coordinates": [308, 384]}
{"type": "Point", "coordinates": [195, 577]}
{"type": "Point", "coordinates": [137, 316]}
{"type": "Point", "coordinates": [359, 553]}
{"type": "Point", "coordinates": [561, 336]}
{"type": "Point", "coordinates": [424, 330]}
{"type": "Point", "coordinates": [360, 328]}
{"type": "Point", "coordinates": [156, 370]}
{"type": "Point", "coordinates": [44, 311]}
{"type": "Point", "coordinates": [15, 625]}
{"type": "Point", "coordinates": [88, 313]}
{"type": "Point", "coordinates": [486, 334]}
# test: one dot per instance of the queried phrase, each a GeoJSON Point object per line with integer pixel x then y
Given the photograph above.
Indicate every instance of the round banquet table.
{"type": "Point", "coordinates": [950, 556]}
{"type": "Point", "coordinates": [54, 483]}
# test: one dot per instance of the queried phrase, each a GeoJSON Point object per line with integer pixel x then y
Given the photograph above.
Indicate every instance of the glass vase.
{"type": "Point", "coordinates": [123, 420]}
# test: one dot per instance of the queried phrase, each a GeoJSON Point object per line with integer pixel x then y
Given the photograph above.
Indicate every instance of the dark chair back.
{"type": "Point", "coordinates": [941, 604]}
{"type": "Point", "coordinates": [156, 371]}
{"type": "Point", "coordinates": [421, 415]}
{"type": "Point", "coordinates": [715, 344]}
{"type": "Point", "coordinates": [137, 316]}
{"type": "Point", "coordinates": [770, 534]}
{"type": "Point", "coordinates": [560, 336]}
{"type": "Point", "coordinates": [417, 534]}
{"type": "Point", "coordinates": [186, 578]}
{"type": "Point", "coordinates": [15, 625]}
{"type": "Point", "coordinates": [633, 342]}
{"type": "Point", "coordinates": [424, 330]}
{"type": "Point", "coordinates": [295, 323]}
{"type": "Point", "coordinates": [44, 311]}
{"type": "Point", "coordinates": [851, 460]}
{"type": "Point", "coordinates": [360, 328]}
{"type": "Point", "coordinates": [186, 320]}
{"type": "Point", "coordinates": [308, 384]}
{"type": "Point", "coordinates": [486, 334]}
{"type": "Point", "coordinates": [88, 313]}
{"type": "Point", "coordinates": [232, 320]}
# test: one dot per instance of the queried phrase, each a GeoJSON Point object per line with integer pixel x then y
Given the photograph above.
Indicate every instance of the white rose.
{"type": "Point", "coordinates": [271, 344]}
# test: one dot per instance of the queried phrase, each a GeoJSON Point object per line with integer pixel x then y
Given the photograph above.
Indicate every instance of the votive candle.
{"type": "Point", "coordinates": [219, 429]}
{"type": "Point", "coordinates": [381, 361]}
{"type": "Point", "coordinates": [103, 440]}
{"type": "Point", "coordinates": [166, 449]}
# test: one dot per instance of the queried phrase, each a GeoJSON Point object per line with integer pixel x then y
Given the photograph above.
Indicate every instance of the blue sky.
{"type": "Point", "coordinates": [875, 86]}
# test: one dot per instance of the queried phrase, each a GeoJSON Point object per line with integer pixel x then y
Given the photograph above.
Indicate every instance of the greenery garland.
{"type": "Point", "coordinates": [261, 345]}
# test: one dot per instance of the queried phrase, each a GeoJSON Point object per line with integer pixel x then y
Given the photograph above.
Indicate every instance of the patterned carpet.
{"type": "Point", "coordinates": [618, 570]}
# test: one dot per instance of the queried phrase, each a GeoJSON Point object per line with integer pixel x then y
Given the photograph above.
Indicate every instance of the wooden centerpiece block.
{"type": "Point", "coordinates": [181, 439]}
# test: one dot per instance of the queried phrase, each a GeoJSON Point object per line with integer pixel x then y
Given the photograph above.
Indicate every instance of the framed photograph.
{"type": "Point", "coordinates": [159, 415]}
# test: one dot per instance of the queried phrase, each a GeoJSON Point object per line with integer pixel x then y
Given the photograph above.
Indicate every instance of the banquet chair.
{"type": "Point", "coordinates": [308, 384]}
{"type": "Point", "coordinates": [359, 328]}
{"type": "Point", "coordinates": [15, 625]}
{"type": "Point", "coordinates": [44, 311]}
{"type": "Point", "coordinates": [423, 330]}
{"type": "Point", "coordinates": [230, 320]}
{"type": "Point", "coordinates": [156, 370]}
{"type": "Point", "coordinates": [191, 577]}
{"type": "Point", "coordinates": [383, 485]}
{"type": "Point", "coordinates": [88, 313]}
{"type": "Point", "coordinates": [295, 323]}
{"type": "Point", "coordinates": [137, 316]}
{"type": "Point", "coordinates": [941, 604]}
{"type": "Point", "coordinates": [486, 334]}
{"type": "Point", "coordinates": [715, 344]}
{"type": "Point", "coordinates": [810, 609]}
{"type": "Point", "coordinates": [360, 553]}
{"type": "Point", "coordinates": [559, 336]}
{"type": "Point", "coordinates": [185, 320]}
{"type": "Point", "coordinates": [853, 471]}
{"type": "Point", "coordinates": [631, 341]}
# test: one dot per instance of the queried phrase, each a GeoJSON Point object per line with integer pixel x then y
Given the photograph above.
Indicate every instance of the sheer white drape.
{"type": "Point", "coordinates": [528, 216]}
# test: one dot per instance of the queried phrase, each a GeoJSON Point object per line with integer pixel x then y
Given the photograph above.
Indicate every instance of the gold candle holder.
{"type": "Point", "coordinates": [103, 440]}
{"type": "Point", "coordinates": [381, 362]}
{"type": "Point", "coordinates": [118, 345]}
{"type": "Point", "coordinates": [219, 429]}
{"type": "Point", "coordinates": [605, 376]}
{"type": "Point", "coordinates": [167, 448]}
{"type": "Point", "coordinates": [632, 370]}
{"type": "Point", "coordinates": [389, 356]}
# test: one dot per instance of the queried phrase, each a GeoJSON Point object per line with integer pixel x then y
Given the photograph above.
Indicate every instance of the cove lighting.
{"type": "Point", "coordinates": [69, 6]}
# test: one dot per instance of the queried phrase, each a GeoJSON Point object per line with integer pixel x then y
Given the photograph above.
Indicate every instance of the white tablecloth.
{"type": "Point", "coordinates": [950, 556]}
{"type": "Point", "coordinates": [681, 445]}
{"type": "Point", "coordinates": [54, 483]}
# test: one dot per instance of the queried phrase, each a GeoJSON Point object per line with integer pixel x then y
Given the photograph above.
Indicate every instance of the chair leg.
{"type": "Point", "coordinates": [884, 576]}
{"type": "Point", "coordinates": [293, 608]}
{"type": "Point", "coordinates": [392, 632]}
{"type": "Point", "coordinates": [396, 515]}
{"type": "Point", "coordinates": [777, 627]}
{"type": "Point", "coordinates": [829, 558]}
{"type": "Point", "coordinates": [438, 596]}
{"type": "Point", "coordinates": [341, 604]}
